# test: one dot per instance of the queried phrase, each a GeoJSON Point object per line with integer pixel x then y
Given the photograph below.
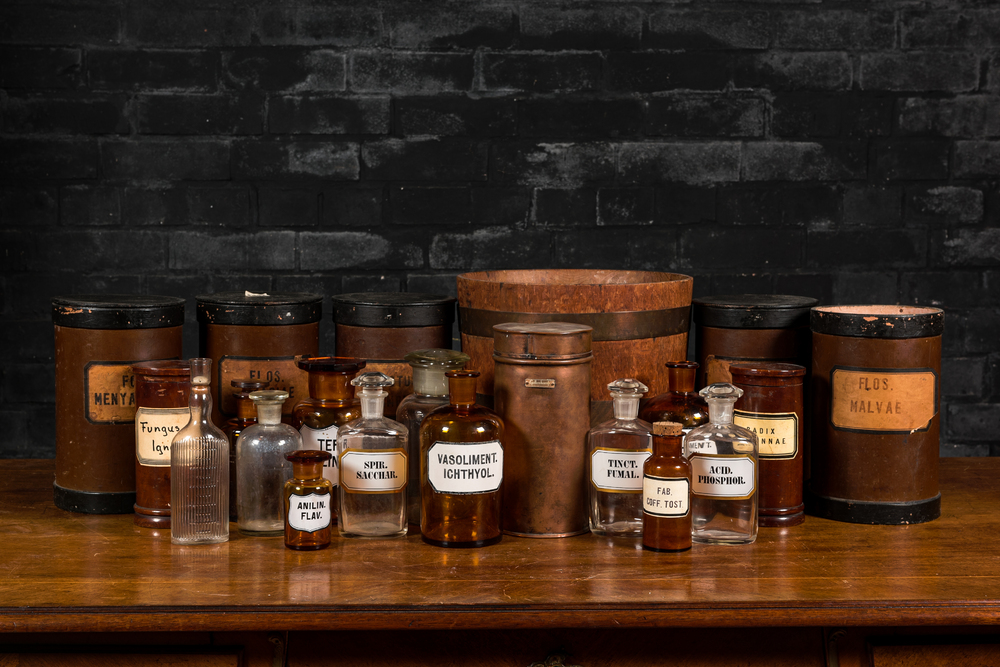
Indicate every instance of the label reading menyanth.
{"type": "Point", "coordinates": [777, 433]}
{"type": "Point", "coordinates": [617, 469]}
{"type": "Point", "coordinates": [723, 476]}
{"type": "Point", "coordinates": [373, 470]}
{"type": "Point", "coordinates": [155, 429]}
{"type": "Point", "coordinates": [464, 468]}
{"type": "Point", "coordinates": [666, 496]}
{"type": "Point", "coordinates": [882, 400]}
{"type": "Point", "coordinates": [324, 440]}
{"type": "Point", "coordinates": [309, 513]}
{"type": "Point", "coordinates": [109, 389]}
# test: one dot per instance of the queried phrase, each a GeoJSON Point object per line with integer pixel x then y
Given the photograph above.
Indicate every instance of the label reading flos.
{"type": "Point", "coordinates": [617, 469]}
{"type": "Point", "coordinates": [777, 433]}
{"type": "Point", "coordinates": [309, 513]}
{"type": "Point", "coordinates": [324, 440]}
{"type": "Point", "coordinates": [373, 471]}
{"type": "Point", "coordinates": [692, 447]}
{"type": "Point", "coordinates": [155, 429]}
{"type": "Point", "coordinates": [722, 476]}
{"type": "Point", "coordinates": [279, 372]}
{"type": "Point", "coordinates": [883, 400]}
{"type": "Point", "coordinates": [666, 496]}
{"type": "Point", "coordinates": [465, 467]}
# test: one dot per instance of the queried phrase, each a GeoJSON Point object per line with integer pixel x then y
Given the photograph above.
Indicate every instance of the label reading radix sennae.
{"type": "Point", "coordinates": [324, 440]}
{"type": "Point", "coordinates": [155, 429]}
{"type": "Point", "coordinates": [882, 400]}
{"type": "Point", "coordinates": [617, 469]}
{"type": "Point", "coordinates": [540, 383]}
{"type": "Point", "coordinates": [666, 496]}
{"type": "Point", "coordinates": [373, 470]}
{"type": "Point", "coordinates": [777, 433]}
{"type": "Point", "coordinates": [309, 513]}
{"type": "Point", "coordinates": [109, 389]}
{"type": "Point", "coordinates": [465, 467]}
{"type": "Point", "coordinates": [723, 476]}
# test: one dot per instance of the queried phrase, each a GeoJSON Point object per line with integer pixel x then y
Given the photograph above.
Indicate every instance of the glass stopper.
{"type": "Point", "coordinates": [626, 387]}
{"type": "Point", "coordinates": [722, 391]}
{"type": "Point", "coordinates": [372, 380]}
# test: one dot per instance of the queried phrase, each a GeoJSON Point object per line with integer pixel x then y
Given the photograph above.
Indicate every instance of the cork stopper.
{"type": "Point", "coordinates": [667, 428]}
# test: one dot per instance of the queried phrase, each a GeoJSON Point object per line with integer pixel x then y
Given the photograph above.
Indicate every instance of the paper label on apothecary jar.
{"type": "Point", "coordinates": [723, 476]}
{"type": "Point", "coordinates": [373, 470]}
{"type": "Point", "coordinates": [309, 513]}
{"type": "Point", "coordinates": [666, 496]}
{"type": "Point", "coordinates": [777, 433]}
{"type": "Point", "coordinates": [279, 372]}
{"type": "Point", "coordinates": [324, 440]}
{"type": "Point", "coordinates": [109, 392]}
{"type": "Point", "coordinates": [155, 429]}
{"type": "Point", "coordinates": [882, 400]}
{"type": "Point", "coordinates": [617, 469]}
{"type": "Point", "coordinates": [464, 468]}
{"type": "Point", "coordinates": [692, 447]}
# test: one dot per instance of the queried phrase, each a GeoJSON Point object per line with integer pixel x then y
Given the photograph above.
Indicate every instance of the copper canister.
{"type": "Point", "coordinates": [162, 395]}
{"type": "Point", "coordinates": [97, 340]}
{"type": "Point", "coordinates": [772, 407]}
{"type": "Point", "coordinates": [876, 378]}
{"type": "Point", "coordinates": [542, 392]}
{"type": "Point", "coordinates": [257, 337]}
{"type": "Point", "coordinates": [383, 327]}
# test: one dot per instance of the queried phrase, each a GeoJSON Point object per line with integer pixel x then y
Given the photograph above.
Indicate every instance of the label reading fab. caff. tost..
{"type": "Point", "coordinates": [723, 476]}
{"type": "Point", "coordinates": [777, 433]}
{"type": "Point", "coordinates": [309, 513]}
{"type": "Point", "coordinates": [155, 429]}
{"type": "Point", "coordinates": [464, 468]}
{"type": "Point", "coordinates": [666, 496]}
{"type": "Point", "coordinates": [373, 470]}
{"type": "Point", "coordinates": [617, 469]}
{"type": "Point", "coordinates": [324, 440]}
{"type": "Point", "coordinates": [882, 400]}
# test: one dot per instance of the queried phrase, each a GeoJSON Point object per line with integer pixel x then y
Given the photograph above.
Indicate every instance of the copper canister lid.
{"type": "Point", "coordinates": [757, 369]}
{"type": "Point", "coordinates": [542, 340]}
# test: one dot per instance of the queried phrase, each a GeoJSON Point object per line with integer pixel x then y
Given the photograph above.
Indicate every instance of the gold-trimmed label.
{"type": "Point", "coordinates": [882, 400]}
{"type": "Point", "coordinates": [618, 470]}
{"type": "Point", "coordinates": [280, 372]}
{"type": "Point", "coordinates": [109, 390]}
{"type": "Point", "coordinates": [668, 497]}
{"type": "Point", "coordinates": [723, 476]}
{"type": "Point", "coordinates": [155, 429]}
{"type": "Point", "coordinates": [777, 432]}
{"type": "Point", "coordinates": [373, 470]}
{"type": "Point", "coordinates": [540, 383]}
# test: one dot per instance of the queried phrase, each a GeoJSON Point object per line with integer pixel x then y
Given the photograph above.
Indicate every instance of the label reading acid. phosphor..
{"type": "Point", "coordinates": [309, 513]}
{"type": "Point", "coordinates": [465, 467]}
{"type": "Point", "coordinates": [666, 496]}
{"type": "Point", "coordinates": [723, 476]}
{"type": "Point", "coordinates": [617, 469]}
{"type": "Point", "coordinates": [324, 440]}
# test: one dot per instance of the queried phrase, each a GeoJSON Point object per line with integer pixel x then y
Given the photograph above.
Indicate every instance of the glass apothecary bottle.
{"type": "Point", "coordinates": [373, 466]}
{"type": "Point", "coordinates": [331, 404]}
{"type": "Point", "coordinates": [430, 391]}
{"type": "Point", "coordinates": [724, 470]}
{"type": "Point", "coordinates": [666, 492]}
{"type": "Point", "coordinates": [616, 451]}
{"type": "Point", "coordinates": [461, 469]}
{"type": "Point", "coordinates": [680, 403]}
{"type": "Point", "coordinates": [199, 469]}
{"type": "Point", "coordinates": [246, 416]}
{"type": "Point", "coordinates": [308, 502]}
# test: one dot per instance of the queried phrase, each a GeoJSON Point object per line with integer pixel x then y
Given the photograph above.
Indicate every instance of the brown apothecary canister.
{"type": "Point", "coordinates": [97, 340]}
{"type": "Point", "coordinates": [542, 386]}
{"type": "Point", "coordinates": [162, 395]}
{"type": "Point", "coordinates": [749, 327]}
{"type": "Point", "coordinates": [876, 376]}
{"type": "Point", "coordinates": [772, 407]}
{"type": "Point", "coordinates": [257, 337]}
{"type": "Point", "coordinates": [383, 327]}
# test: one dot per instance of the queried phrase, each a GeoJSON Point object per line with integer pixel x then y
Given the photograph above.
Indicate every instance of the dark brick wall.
{"type": "Point", "coordinates": [848, 151]}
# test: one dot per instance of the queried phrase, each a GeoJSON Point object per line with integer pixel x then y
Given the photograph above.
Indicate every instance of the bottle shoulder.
{"type": "Point", "coordinates": [373, 426]}
{"type": "Point", "coordinates": [453, 424]}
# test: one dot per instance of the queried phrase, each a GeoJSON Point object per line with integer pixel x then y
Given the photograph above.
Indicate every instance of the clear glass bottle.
{"type": "Point", "coordinates": [261, 466]}
{"type": "Point", "coordinates": [724, 470]}
{"type": "Point", "coordinates": [679, 403]}
{"type": "Point", "coordinates": [430, 391]}
{"type": "Point", "coordinates": [373, 466]}
{"type": "Point", "coordinates": [461, 469]}
{"type": "Point", "coordinates": [308, 502]}
{"type": "Point", "coordinates": [666, 492]}
{"type": "Point", "coordinates": [246, 416]}
{"type": "Point", "coordinates": [616, 451]}
{"type": "Point", "coordinates": [199, 469]}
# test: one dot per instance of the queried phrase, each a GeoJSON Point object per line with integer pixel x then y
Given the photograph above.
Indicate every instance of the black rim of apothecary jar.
{"type": "Point", "coordinates": [117, 311]}
{"type": "Point", "coordinates": [878, 321]}
{"type": "Point", "coordinates": [753, 311]}
{"type": "Point", "coordinates": [393, 309]}
{"type": "Point", "coordinates": [249, 309]}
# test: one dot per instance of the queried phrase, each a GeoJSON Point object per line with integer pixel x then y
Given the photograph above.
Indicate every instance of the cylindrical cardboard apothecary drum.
{"type": "Point", "coordinates": [876, 373]}
{"type": "Point", "coordinates": [97, 339]}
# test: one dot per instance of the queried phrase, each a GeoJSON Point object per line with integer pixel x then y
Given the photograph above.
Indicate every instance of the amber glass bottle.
{"type": "Point", "coordinates": [246, 416]}
{"type": "Point", "coordinates": [330, 405]}
{"type": "Point", "coordinates": [308, 502]}
{"type": "Point", "coordinates": [680, 403]}
{"type": "Point", "coordinates": [666, 492]}
{"type": "Point", "coordinates": [461, 469]}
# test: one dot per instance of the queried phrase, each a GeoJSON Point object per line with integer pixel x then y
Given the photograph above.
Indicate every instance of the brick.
{"type": "Point", "coordinates": [817, 285]}
{"type": "Point", "coordinates": [224, 206]}
{"type": "Point", "coordinates": [101, 251]}
{"type": "Point", "coordinates": [950, 449]}
{"type": "Point", "coordinates": [101, 114]}
{"type": "Point", "coordinates": [168, 26]}
{"type": "Point", "coordinates": [718, 29]}
{"type": "Point", "coordinates": [682, 162]}
{"type": "Point", "coordinates": [319, 25]}
{"type": "Point", "coordinates": [943, 205]}
{"type": "Point", "coordinates": [283, 159]}
{"type": "Point", "coordinates": [865, 287]}
{"type": "Point", "coordinates": [963, 376]}
{"type": "Point", "coordinates": [819, 115]}
{"type": "Point", "coordinates": [803, 161]}
{"type": "Point", "coordinates": [541, 71]}
{"type": "Point", "coordinates": [866, 248]}
{"type": "Point", "coordinates": [657, 250]}
{"type": "Point", "coordinates": [967, 247]}
{"type": "Point", "coordinates": [48, 158]}
{"type": "Point", "coordinates": [911, 159]}
{"type": "Point", "coordinates": [29, 383]}
{"type": "Point", "coordinates": [200, 114]}
{"type": "Point", "coordinates": [161, 70]}
{"type": "Point", "coordinates": [28, 207]}
{"type": "Point", "coordinates": [778, 70]}
{"type": "Point", "coordinates": [779, 205]}
{"type": "Point", "coordinates": [19, 249]}
{"type": "Point", "coordinates": [977, 159]}
{"type": "Point", "coordinates": [705, 116]}
{"type": "Point", "coordinates": [993, 377]}
{"type": "Point", "coordinates": [652, 71]}
{"type": "Point", "coordinates": [742, 248]}
{"type": "Point", "coordinates": [862, 29]}
{"type": "Point", "coordinates": [625, 206]}
{"type": "Point", "coordinates": [38, 24]}
{"type": "Point", "coordinates": [431, 206]}
{"type": "Point", "coordinates": [89, 205]}
{"type": "Point", "coordinates": [325, 251]}
{"type": "Point", "coordinates": [456, 115]}
{"type": "Point", "coordinates": [432, 283]}
{"type": "Point", "coordinates": [965, 29]}
{"type": "Point", "coordinates": [32, 294]}
{"type": "Point", "coordinates": [242, 280]}
{"type": "Point", "coordinates": [980, 330]}
{"type": "Point", "coordinates": [40, 68]}
{"type": "Point", "coordinates": [872, 206]}
{"type": "Point", "coordinates": [947, 289]}
{"type": "Point", "coordinates": [325, 114]}
{"type": "Point", "coordinates": [166, 159]}
{"type": "Point", "coordinates": [425, 159]}
{"type": "Point", "coordinates": [743, 283]}
{"type": "Point", "coordinates": [232, 252]}
{"type": "Point", "coordinates": [360, 207]}
{"type": "Point", "coordinates": [293, 207]}
{"type": "Point", "coordinates": [680, 204]}
{"type": "Point", "coordinates": [566, 208]}
{"type": "Point", "coordinates": [592, 249]}
{"type": "Point", "coordinates": [598, 28]}
{"type": "Point", "coordinates": [442, 27]}
{"type": "Point", "coordinates": [380, 71]}
{"type": "Point", "coordinates": [962, 116]}
{"type": "Point", "coordinates": [975, 421]}
{"type": "Point", "coordinates": [371, 283]}
{"type": "Point", "coordinates": [579, 119]}
{"type": "Point", "coordinates": [20, 442]}
{"type": "Point", "coordinates": [503, 206]}
{"type": "Point", "coordinates": [919, 71]}
{"type": "Point", "coordinates": [286, 69]}
{"type": "Point", "coordinates": [992, 66]}
{"type": "Point", "coordinates": [491, 248]}
{"type": "Point", "coordinates": [24, 341]}
{"type": "Point", "coordinates": [552, 164]}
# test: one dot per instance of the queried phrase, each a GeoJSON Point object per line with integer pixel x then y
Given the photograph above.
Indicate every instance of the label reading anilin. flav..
{"type": "Point", "coordinates": [324, 440]}
{"type": "Point", "coordinates": [465, 467]}
{"type": "Point", "coordinates": [309, 513]}
{"type": "Point", "coordinates": [666, 496]}
{"type": "Point", "coordinates": [723, 476]}
{"type": "Point", "coordinates": [155, 429]}
{"type": "Point", "coordinates": [882, 400]}
{"type": "Point", "coordinates": [777, 433]}
{"type": "Point", "coordinates": [618, 469]}
{"type": "Point", "coordinates": [373, 470]}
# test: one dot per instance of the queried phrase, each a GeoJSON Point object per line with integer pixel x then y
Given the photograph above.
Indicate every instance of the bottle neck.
{"type": "Point", "coordinates": [269, 413]}
{"type": "Point", "coordinates": [200, 403]}
{"type": "Point", "coordinates": [330, 386]}
{"type": "Point", "coordinates": [462, 392]}
{"type": "Point", "coordinates": [626, 407]}
{"type": "Point", "coordinates": [667, 445]}
{"type": "Point", "coordinates": [307, 471]}
{"type": "Point", "coordinates": [681, 379]}
{"type": "Point", "coordinates": [720, 410]}
{"type": "Point", "coordinates": [429, 381]}
{"type": "Point", "coordinates": [245, 409]}
{"type": "Point", "coordinates": [372, 403]}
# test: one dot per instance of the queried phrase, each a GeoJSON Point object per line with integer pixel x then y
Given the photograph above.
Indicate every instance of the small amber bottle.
{"type": "Point", "coordinates": [308, 502]}
{"type": "Point", "coordinates": [246, 416]}
{"type": "Point", "coordinates": [680, 403]}
{"type": "Point", "coordinates": [666, 492]}
{"type": "Point", "coordinates": [461, 469]}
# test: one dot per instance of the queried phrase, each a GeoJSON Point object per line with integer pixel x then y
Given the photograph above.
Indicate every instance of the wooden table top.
{"type": "Point", "coordinates": [61, 571]}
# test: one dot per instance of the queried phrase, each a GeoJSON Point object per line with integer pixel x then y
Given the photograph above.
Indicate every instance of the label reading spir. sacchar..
{"type": "Point", "coordinates": [373, 470]}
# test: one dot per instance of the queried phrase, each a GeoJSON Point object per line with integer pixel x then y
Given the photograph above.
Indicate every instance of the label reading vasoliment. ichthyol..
{"type": "Point", "coordinates": [465, 467]}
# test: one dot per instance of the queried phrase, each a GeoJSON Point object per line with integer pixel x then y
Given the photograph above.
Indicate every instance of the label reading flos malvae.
{"type": "Point", "coordinates": [465, 467]}
{"type": "Point", "coordinates": [309, 513]}
{"type": "Point", "coordinates": [373, 471]}
{"type": "Point", "coordinates": [617, 469]}
{"type": "Point", "coordinates": [666, 496]}
{"type": "Point", "coordinates": [692, 447]}
{"type": "Point", "coordinates": [155, 429]}
{"type": "Point", "coordinates": [722, 476]}
{"type": "Point", "coordinates": [324, 440]}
